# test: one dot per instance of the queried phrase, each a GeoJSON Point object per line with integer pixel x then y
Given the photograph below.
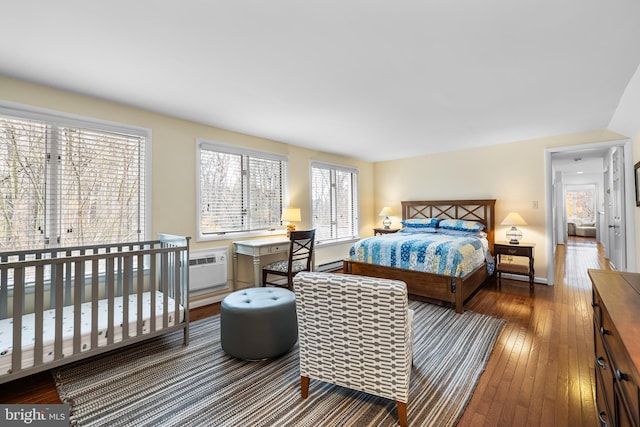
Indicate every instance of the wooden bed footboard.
{"type": "Point", "coordinates": [434, 287]}
{"type": "Point", "coordinates": [454, 290]}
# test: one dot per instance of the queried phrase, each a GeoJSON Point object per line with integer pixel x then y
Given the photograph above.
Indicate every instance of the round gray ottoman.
{"type": "Point", "coordinates": [258, 323]}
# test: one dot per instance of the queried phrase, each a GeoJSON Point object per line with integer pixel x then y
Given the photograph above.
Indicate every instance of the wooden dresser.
{"type": "Point", "coordinates": [616, 317]}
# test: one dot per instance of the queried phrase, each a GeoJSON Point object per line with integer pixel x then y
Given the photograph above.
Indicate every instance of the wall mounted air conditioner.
{"type": "Point", "coordinates": [208, 270]}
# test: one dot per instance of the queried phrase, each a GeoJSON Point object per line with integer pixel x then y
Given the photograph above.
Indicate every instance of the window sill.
{"type": "Point", "coordinates": [240, 235]}
{"type": "Point", "coordinates": [328, 243]}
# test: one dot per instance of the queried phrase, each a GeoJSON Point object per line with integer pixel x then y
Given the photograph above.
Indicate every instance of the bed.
{"type": "Point", "coordinates": [451, 285]}
{"type": "Point", "coordinates": [65, 304]}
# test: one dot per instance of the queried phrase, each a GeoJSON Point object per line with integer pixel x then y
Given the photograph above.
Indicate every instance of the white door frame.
{"type": "Point", "coordinates": [629, 192]}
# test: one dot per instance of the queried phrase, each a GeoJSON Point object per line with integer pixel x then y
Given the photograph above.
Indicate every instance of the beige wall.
{"type": "Point", "coordinates": [513, 174]}
{"type": "Point", "coordinates": [174, 156]}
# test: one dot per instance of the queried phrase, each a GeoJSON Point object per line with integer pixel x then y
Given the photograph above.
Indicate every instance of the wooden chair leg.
{"type": "Point", "coordinates": [402, 413]}
{"type": "Point", "coordinates": [304, 387]}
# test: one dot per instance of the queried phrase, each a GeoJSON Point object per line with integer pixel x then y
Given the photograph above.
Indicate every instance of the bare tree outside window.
{"type": "Point", "coordinates": [581, 205]}
{"type": "Point", "coordinates": [68, 186]}
{"type": "Point", "coordinates": [334, 202]}
{"type": "Point", "coordinates": [239, 190]}
{"type": "Point", "coordinates": [22, 184]}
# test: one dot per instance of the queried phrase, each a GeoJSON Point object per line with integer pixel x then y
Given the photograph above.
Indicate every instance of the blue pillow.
{"type": "Point", "coordinates": [461, 225]}
{"type": "Point", "coordinates": [451, 232]}
{"type": "Point", "coordinates": [421, 222]}
{"type": "Point", "coordinates": [417, 230]}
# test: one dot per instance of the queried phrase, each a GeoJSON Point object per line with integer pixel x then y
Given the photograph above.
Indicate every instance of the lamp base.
{"type": "Point", "coordinates": [387, 223]}
{"type": "Point", "coordinates": [290, 228]}
{"type": "Point", "coordinates": [514, 235]}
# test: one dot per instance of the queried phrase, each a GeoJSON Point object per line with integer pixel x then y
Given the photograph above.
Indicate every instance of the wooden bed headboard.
{"type": "Point", "coordinates": [482, 210]}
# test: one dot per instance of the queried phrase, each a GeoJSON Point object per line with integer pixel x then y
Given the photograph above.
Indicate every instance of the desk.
{"type": "Point", "coordinates": [257, 248]}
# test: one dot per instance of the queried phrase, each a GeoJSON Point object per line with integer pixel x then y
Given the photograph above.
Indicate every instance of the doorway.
{"type": "Point", "coordinates": [614, 211]}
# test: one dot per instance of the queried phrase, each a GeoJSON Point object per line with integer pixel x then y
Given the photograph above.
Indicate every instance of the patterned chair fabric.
{"type": "Point", "coordinates": [300, 259]}
{"type": "Point", "coordinates": [355, 332]}
{"type": "Point", "coordinates": [283, 266]}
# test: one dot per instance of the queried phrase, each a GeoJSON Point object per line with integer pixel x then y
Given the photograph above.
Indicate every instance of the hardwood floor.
{"type": "Point", "coordinates": [541, 370]}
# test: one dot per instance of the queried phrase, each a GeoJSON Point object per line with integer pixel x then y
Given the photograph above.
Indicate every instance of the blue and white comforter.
{"type": "Point", "coordinates": [426, 252]}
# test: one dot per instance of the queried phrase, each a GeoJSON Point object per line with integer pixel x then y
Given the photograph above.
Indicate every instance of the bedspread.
{"type": "Point", "coordinates": [426, 252]}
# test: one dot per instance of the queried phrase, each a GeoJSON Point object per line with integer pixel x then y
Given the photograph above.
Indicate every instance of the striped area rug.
{"type": "Point", "coordinates": [163, 383]}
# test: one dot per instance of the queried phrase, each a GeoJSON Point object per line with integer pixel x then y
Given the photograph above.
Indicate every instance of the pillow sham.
{"type": "Point", "coordinates": [420, 222]}
{"type": "Point", "coordinates": [418, 230]}
{"type": "Point", "coordinates": [451, 232]}
{"type": "Point", "coordinates": [461, 225]}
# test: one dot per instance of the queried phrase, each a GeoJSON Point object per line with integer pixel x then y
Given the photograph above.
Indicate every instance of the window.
{"type": "Point", "coordinates": [581, 203]}
{"type": "Point", "coordinates": [334, 202]}
{"type": "Point", "coordinates": [69, 181]}
{"type": "Point", "coordinates": [240, 191]}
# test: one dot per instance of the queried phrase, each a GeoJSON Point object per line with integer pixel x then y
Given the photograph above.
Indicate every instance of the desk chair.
{"type": "Point", "coordinates": [300, 259]}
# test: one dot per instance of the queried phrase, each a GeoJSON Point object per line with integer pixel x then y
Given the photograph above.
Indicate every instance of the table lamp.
{"type": "Point", "coordinates": [385, 212]}
{"type": "Point", "coordinates": [513, 234]}
{"type": "Point", "coordinates": [291, 215]}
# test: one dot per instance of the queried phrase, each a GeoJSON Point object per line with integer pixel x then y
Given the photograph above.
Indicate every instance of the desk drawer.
{"type": "Point", "coordinates": [278, 248]}
{"type": "Point", "coordinates": [274, 249]}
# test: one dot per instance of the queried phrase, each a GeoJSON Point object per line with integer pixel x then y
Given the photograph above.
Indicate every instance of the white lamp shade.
{"type": "Point", "coordinates": [291, 214]}
{"type": "Point", "coordinates": [513, 218]}
{"type": "Point", "coordinates": [386, 211]}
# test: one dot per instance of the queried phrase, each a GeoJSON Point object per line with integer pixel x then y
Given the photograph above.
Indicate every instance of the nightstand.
{"type": "Point", "coordinates": [504, 250]}
{"type": "Point", "coordinates": [377, 231]}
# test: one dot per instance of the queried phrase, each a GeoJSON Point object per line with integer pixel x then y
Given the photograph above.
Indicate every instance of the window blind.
{"type": "Point", "coordinates": [334, 202]}
{"type": "Point", "coordinates": [69, 185]}
{"type": "Point", "coordinates": [240, 190]}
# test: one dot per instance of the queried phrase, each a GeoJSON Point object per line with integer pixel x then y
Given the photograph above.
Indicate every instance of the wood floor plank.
{"type": "Point", "coordinates": [540, 372]}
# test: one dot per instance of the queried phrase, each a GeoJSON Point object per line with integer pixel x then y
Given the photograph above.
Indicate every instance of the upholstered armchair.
{"type": "Point", "coordinates": [355, 332]}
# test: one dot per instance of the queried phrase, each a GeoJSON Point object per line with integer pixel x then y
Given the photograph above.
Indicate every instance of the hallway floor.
{"type": "Point", "coordinates": [541, 371]}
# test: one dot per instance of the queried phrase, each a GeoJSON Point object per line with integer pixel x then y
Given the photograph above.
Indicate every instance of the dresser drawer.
{"type": "Point", "coordinates": [605, 414]}
{"type": "Point", "coordinates": [604, 376]}
{"type": "Point", "coordinates": [597, 310]}
{"type": "Point", "coordinates": [622, 366]}
{"type": "Point", "coordinates": [616, 303]}
{"type": "Point", "coordinates": [623, 417]}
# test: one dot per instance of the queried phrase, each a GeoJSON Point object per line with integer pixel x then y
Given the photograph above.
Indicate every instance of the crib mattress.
{"type": "Point", "coordinates": [28, 328]}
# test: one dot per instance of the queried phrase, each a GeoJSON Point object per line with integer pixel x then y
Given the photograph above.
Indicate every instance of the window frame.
{"type": "Point", "coordinates": [355, 202]}
{"type": "Point", "coordinates": [581, 188]}
{"type": "Point", "coordinates": [64, 119]}
{"type": "Point", "coordinates": [205, 144]}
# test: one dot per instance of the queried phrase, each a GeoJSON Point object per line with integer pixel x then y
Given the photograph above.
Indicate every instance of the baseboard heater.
{"type": "Point", "coordinates": [329, 266]}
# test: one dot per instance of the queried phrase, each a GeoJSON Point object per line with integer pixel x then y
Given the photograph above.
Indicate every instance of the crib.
{"type": "Point", "coordinates": [61, 305]}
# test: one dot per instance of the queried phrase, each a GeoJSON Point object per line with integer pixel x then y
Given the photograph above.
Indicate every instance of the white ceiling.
{"type": "Point", "coordinates": [370, 79]}
{"type": "Point", "coordinates": [582, 161]}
